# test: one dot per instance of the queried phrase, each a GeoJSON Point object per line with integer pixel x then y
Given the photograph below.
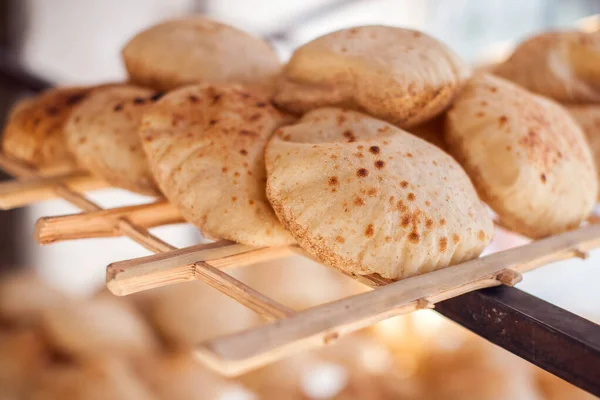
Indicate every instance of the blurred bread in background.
{"type": "Point", "coordinates": [107, 347]}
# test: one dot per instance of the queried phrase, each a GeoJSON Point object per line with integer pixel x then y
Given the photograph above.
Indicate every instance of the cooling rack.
{"type": "Point", "coordinates": [288, 331]}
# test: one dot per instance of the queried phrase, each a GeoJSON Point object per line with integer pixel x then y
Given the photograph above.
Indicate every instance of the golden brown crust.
{"type": "Point", "coordinates": [205, 144]}
{"type": "Point", "coordinates": [400, 75]}
{"type": "Point", "coordinates": [35, 129]}
{"type": "Point", "coordinates": [364, 196]}
{"type": "Point", "coordinates": [102, 133]}
{"type": "Point", "coordinates": [522, 152]}
{"type": "Point", "coordinates": [195, 50]}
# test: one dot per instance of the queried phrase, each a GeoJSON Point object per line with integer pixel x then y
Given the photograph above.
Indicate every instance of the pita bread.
{"type": "Point", "coordinates": [399, 75]}
{"type": "Point", "coordinates": [102, 134]}
{"type": "Point", "coordinates": [367, 197]}
{"type": "Point", "coordinates": [34, 131]}
{"type": "Point", "coordinates": [205, 145]}
{"type": "Point", "coordinates": [588, 117]}
{"type": "Point", "coordinates": [564, 66]}
{"type": "Point", "coordinates": [526, 156]}
{"type": "Point", "coordinates": [196, 49]}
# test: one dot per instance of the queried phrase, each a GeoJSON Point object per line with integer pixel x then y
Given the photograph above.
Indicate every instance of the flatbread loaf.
{"type": "Point", "coordinates": [402, 76]}
{"type": "Point", "coordinates": [527, 157]}
{"type": "Point", "coordinates": [102, 134]}
{"type": "Point", "coordinates": [365, 196]}
{"type": "Point", "coordinates": [205, 144]}
{"type": "Point", "coordinates": [196, 49]}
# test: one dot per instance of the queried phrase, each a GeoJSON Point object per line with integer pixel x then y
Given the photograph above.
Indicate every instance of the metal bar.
{"type": "Point", "coordinates": [548, 336]}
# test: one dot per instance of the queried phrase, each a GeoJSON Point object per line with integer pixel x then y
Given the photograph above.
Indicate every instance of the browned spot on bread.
{"type": "Point", "coordinates": [358, 201]}
{"type": "Point", "coordinates": [372, 192]}
{"type": "Point", "coordinates": [139, 100]}
{"type": "Point", "coordinates": [349, 135]}
{"type": "Point", "coordinates": [251, 202]}
{"type": "Point", "coordinates": [481, 235]}
{"type": "Point", "coordinates": [543, 178]}
{"type": "Point", "coordinates": [388, 239]}
{"type": "Point", "coordinates": [404, 184]}
{"type": "Point", "coordinates": [369, 231]}
{"type": "Point", "coordinates": [224, 169]}
{"type": "Point", "coordinates": [118, 107]}
{"type": "Point", "coordinates": [212, 122]}
{"type": "Point", "coordinates": [455, 238]}
{"type": "Point", "coordinates": [374, 149]}
{"type": "Point", "coordinates": [443, 244]}
{"type": "Point", "coordinates": [333, 181]}
{"type": "Point", "coordinates": [414, 237]}
{"type": "Point", "coordinates": [480, 114]}
{"type": "Point", "coordinates": [409, 155]}
{"type": "Point", "coordinates": [216, 98]}
{"type": "Point", "coordinates": [193, 99]}
{"type": "Point", "coordinates": [261, 104]}
{"type": "Point", "coordinates": [233, 198]}
{"type": "Point", "coordinates": [244, 152]}
{"type": "Point", "coordinates": [442, 222]}
{"type": "Point", "coordinates": [427, 203]}
{"type": "Point", "coordinates": [359, 155]}
{"type": "Point", "coordinates": [254, 117]}
{"type": "Point", "coordinates": [503, 119]}
{"type": "Point", "coordinates": [76, 98]}
{"type": "Point", "coordinates": [401, 206]}
{"type": "Point", "coordinates": [360, 147]}
{"type": "Point", "coordinates": [236, 174]}
{"type": "Point", "coordinates": [429, 223]}
{"type": "Point", "coordinates": [379, 164]}
{"type": "Point", "coordinates": [362, 172]}
{"type": "Point", "coordinates": [406, 220]}
{"type": "Point", "coordinates": [340, 239]}
{"type": "Point", "coordinates": [341, 118]}
{"type": "Point", "coordinates": [411, 196]}
{"type": "Point", "coordinates": [483, 103]}
{"type": "Point", "coordinates": [493, 89]}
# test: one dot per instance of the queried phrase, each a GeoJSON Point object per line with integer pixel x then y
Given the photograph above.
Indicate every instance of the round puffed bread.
{"type": "Point", "coordinates": [399, 75]}
{"type": "Point", "coordinates": [196, 49]}
{"type": "Point", "coordinates": [34, 132]}
{"type": "Point", "coordinates": [102, 134]}
{"type": "Point", "coordinates": [366, 197]}
{"type": "Point", "coordinates": [527, 157]}
{"type": "Point", "coordinates": [588, 117]}
{"type": "Point", "coordinates": [205, 145]}
{"type": "Point", "coordinates": [564, 66]}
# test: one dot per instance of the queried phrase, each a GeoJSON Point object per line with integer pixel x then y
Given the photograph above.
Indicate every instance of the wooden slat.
{"type": "Point", "coordinates": [104, 223]}
{"type": "Point", "coordinates": [239, 352]}
{"type": "Point", "coordinates": [131, 276]}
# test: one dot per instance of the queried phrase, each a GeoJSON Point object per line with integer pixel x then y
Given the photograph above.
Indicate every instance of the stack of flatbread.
{"type": "Point", "coordinates": [374, 148]}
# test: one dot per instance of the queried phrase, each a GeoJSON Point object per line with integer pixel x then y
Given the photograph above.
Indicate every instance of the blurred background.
{"type": "Point", "coordinates": [73, 42]}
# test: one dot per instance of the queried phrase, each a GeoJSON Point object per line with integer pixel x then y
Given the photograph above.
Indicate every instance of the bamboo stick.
{"type": "Point", "coordinates": [131, 276]}
{"type": "Point", "coordinates": [104, 223]}
{"type": "Point", "coordinates": [236, 353]}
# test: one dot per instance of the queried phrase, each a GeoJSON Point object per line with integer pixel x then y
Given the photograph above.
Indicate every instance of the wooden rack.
{"type": "Point", "coordinates": [288, 331]}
